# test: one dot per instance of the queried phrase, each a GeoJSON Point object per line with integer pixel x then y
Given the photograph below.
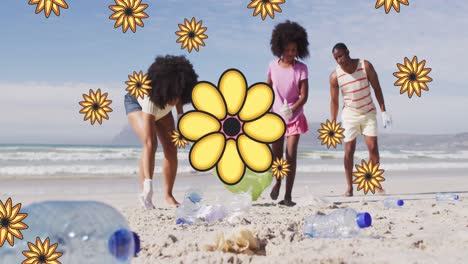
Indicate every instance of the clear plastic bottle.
{"type": "Point", "coordinates": [86, 232]}
{"type": "Point", "coordinates": [393, 202]}
{"type": "Point", "coordinates": [187, 212]}
{"type": "Point", "coordinates": [446, 197]}
{"type": "Point", "coordinates": [337, 224]}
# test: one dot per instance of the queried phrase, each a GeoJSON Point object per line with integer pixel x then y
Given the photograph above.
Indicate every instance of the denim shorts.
{"type": "Point", "coordinates": [131, 104]}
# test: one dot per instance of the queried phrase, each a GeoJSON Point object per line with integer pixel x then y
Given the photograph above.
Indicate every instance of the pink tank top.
{"type": "Point", "coordinates": [355, 89]}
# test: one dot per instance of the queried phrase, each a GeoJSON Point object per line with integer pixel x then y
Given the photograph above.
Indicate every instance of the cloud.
{"type": "Point", "coordinates": [49, 113]}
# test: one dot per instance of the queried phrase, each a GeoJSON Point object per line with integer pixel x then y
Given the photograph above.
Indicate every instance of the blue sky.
{"type": "Point", "coordinates": [46, 64]}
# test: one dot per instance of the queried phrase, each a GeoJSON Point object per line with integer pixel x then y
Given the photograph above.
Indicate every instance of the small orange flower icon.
{"type": "Point", "coordinates": [10, 222]}
{"type": "Point", "coordinates": [280, 168]}
{"type": "Point", "coordinates": [368, 176]}
{"type": "Point", "coordinates": [42, 253]}
{"type": "Point", "coordinates": [95, 106]}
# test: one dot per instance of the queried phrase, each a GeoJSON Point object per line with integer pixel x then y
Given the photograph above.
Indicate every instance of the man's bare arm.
{"type": "Point", "coordinates": [374, 81]}
{"type": "Point", "coordinates": [334, 94]}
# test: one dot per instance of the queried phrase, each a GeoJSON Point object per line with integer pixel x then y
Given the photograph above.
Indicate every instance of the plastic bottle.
{"type": "Point", "coordinates": [187, 212]}
{"type": "Point", "coordinates": [446, 197]}
{"type": "Point", "coordinates": [394, 202]}
{"type": "Point", "coordinates": [212, 213]}
{"type": "Point", "coordinates": [86, 232]}
{"type": "Point", "coordinates": [339, 223]}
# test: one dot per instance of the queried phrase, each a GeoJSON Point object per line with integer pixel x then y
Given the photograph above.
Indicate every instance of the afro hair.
{"type": "Point", "coordinates": [171, 77]}
{"type": "Point", "coordinates": [287, 32]}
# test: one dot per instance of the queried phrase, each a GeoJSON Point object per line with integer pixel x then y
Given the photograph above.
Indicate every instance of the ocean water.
{"type": "Point", "coordinates": [49, 161]}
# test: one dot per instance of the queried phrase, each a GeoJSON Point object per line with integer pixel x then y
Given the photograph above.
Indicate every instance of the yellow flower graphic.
{"type": "Point", "coordinates": [42, 253]}
{"type": "Point", "coordinates": [280, 168]}
{"type": "Point", "coordinates": [10, 222]}
{"type": "Point", "coordinates": [331, 133]}
{"type": "Point", "coordinates": [412, 77]}
{"type": "Point", "coordinates": [231, 127]}
{"type": "Point", "coordinates": [95, 106]}
{"type": "Point", "coordinates": [368, 176]}
{"type": "Point", "coordinates": [138, 84]}
{"type": "Point", "coordinates": [389, 3]}
{"type": "Point", "coordinates": [178, 140]}
{"type": "Point", "coordinates": [48, 6]}
{"type": "Point", "coordinates": [128, 13]}
{"type": "Point", "coordinates": [266, 7]}
{"type": "Point", "coordinates": [191, 34]}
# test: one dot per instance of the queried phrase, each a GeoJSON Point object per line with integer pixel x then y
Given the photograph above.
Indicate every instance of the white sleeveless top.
{"type": "Point", "coordinates": [150, 108]}
{"type": "Point", "coordinates": [355, 89]}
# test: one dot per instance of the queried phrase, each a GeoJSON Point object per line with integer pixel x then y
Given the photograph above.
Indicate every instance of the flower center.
{"type": "Point", "coordinates": [95, 107]}
{"type": "Point", "coordinates": [42, 259]}
{"type": "Point", "coordinates": [5, 222]}
{"type": "Point", "coordinates": [191, 34]}
{"type": "Point", "coordinates": [368, 176]}
{"type": "Point", "coordinates": [331, 133]}
{"type": "Point", "coordinates": [280, 168]}
{"type": "Point", "coordinates": [128, 11]}
{"type": "Point", "coordinates": [412, 77]}
{"type": "Point", "coordinates": [231, 126]}
{"type": "Point", "coordinates": [265, 1]}
{"type": "Point", "coordinates": [138, 85]}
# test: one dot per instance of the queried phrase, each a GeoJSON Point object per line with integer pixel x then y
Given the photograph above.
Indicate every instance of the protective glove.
{"type": "Point", "coordinates": [285, 110]}
{"type": "Point", "coordinates": [386, 120]}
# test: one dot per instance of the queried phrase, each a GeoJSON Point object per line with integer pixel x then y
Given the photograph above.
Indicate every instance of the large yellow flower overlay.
{"type": "Point", "coordinates": [42, 253]}
{"type": "Point", "coordinates": [331, 133]}
{"type": "Point", "coordinates": [138, 85]}
{"type": "Point", "coordinates": [178, 140]}
{"type": "Point", "coordinates": [389, 3]}
{"type": "Point", "coordinates": [266, 7]}
{"type": "Point", "coordinates": [10, 222]}
{"type": "Point", "coordinates": [412, 77]}
{"type": "Point", "coordinates": [128, 13]}
{"type": "Point", "coordinates": [191, 34]}
{"type": "Point", "coordinates": [231, 127]}
{"type": "Point", "coordinates": [95, 106]}
{"type": "Point", "coordinates": [48, 6]}
{"type": "Point", "coordinates": [368, 176]}
{"type": "Point", "coordinates": [280, 168]}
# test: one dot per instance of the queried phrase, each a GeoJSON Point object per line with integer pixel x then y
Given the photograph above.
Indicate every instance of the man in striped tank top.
{"type": "Point", "coordinates": [354, 77]}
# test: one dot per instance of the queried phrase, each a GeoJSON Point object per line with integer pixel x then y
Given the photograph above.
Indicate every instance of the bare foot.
{"type": "Point", "coordinates": [275, 191]}
{"type": "Point", "coordinates": [348, 194]}
{"type": "Point", "coordinates": [172, 201]}
{"type": "Point", "coordinates": [288, 203]}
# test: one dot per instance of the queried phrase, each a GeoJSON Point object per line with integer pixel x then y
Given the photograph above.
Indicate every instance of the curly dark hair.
{"type": "Point", "coordinates": [171, 77]}
{"type": "Point", "coordinates": [287, 32]}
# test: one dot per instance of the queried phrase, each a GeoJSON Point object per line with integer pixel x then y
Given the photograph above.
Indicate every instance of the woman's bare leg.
{"type": "Point", "coordinates": [165, 126]}
{"type": "Point", "coordinates": [144, 126]}
{"type": "Point", "coordinates": [291, 157]}
{"type": "Point", "coordinates": [277, 148]}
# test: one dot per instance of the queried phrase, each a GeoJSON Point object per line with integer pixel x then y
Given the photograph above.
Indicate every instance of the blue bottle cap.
{"type": "Point", "coordinates": [364, 220]}
{"type": "Point", "coordinates": [400, 202]}
{"type": "Point", "coordinates": [120, 244]}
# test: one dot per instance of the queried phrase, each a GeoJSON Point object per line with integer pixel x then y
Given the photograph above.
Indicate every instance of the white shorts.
{"type": "Point", "coordinates": [356, 124]}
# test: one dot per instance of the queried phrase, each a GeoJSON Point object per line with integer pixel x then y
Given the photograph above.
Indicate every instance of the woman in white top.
{"type": "Point", "coordinates": [172, 81]}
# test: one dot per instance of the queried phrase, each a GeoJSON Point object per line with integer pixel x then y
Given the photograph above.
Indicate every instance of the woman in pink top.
{"type": "Point", "coordinates": [288, 78]}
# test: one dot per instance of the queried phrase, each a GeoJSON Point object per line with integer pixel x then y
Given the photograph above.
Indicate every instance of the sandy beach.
{"type": "Point", "coordinates": [424, 231]}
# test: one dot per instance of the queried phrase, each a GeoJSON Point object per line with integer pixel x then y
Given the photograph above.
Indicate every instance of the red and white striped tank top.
{"type": "Point", "coordinates": [355, 89]}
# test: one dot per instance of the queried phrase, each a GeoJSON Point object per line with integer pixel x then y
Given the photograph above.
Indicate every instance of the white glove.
{"type": "Point", "coordinates": [285, 110]}
{"type": "Point", "coordinates": [386, 120]}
